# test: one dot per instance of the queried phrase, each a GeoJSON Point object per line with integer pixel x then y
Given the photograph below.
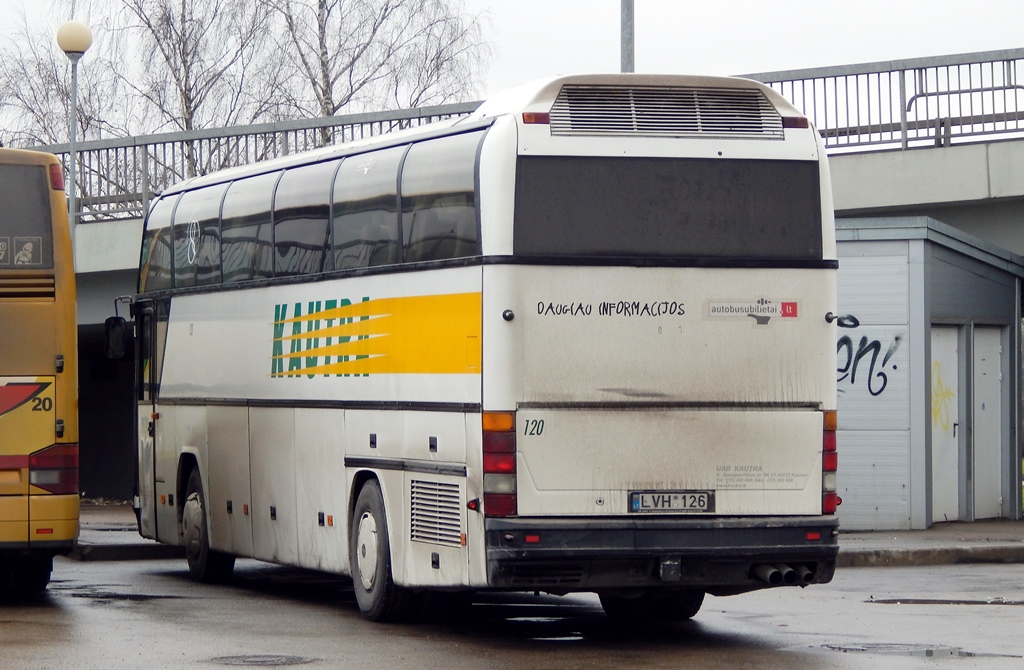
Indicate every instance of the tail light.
{"type": "Point", "coordinates": [499, 452]}
{"type": "Point", "coordinates": [829, 464]}
{"type": "Point", "coordinates": [55, 469]}
{"type": "Point", "coordinates": [56, 177]}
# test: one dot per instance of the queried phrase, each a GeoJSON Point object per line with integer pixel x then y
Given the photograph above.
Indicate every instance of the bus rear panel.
{"type": "Point", "coordinates": [38, 374]}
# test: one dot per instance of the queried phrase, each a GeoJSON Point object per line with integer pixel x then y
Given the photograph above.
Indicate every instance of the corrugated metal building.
{"type": "Point", "coordinates": [928, 363]}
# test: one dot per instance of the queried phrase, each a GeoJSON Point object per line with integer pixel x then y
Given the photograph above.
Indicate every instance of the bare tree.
{"type": "Point", "coordinates": [197, 54]}
{"type": "Point", "coordinates": [159, 65]}
{"type": "Point", "coordinates": [359, 54]}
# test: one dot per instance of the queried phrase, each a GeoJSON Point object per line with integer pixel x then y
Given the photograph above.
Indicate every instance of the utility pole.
{"type": "Point", "coordinates": [626, 47]}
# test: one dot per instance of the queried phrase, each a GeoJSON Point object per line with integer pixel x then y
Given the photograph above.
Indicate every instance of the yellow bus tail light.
{"type": "Point", "coordinates": [55, 469]}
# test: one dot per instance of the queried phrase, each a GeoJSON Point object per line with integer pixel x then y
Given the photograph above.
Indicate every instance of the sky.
{"type": "Point", "coordinates": [539, 38]}
{"type": "Point", "coordinates": [532, 39]}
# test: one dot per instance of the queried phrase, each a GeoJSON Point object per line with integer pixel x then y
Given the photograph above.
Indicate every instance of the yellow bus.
{"type": "Point", "coordinates": [38, 372]}
{"type": "Point", "coordinates": [581, 340]}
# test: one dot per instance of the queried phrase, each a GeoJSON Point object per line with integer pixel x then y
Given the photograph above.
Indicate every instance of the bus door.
{"type": "Point", "coordinates": [145, 313]}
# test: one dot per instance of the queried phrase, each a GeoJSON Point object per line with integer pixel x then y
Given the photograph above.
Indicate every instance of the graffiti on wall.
{"type": "Point", "coordinates": [863, 362]}
{"type": "Point", "coordinates": [942, 398]}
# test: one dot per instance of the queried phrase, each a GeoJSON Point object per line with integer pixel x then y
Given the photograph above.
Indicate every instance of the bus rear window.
{"type": "Point", "coordinates": [667, 208]}
{"type": "Point", "coordinates": [26, 233]}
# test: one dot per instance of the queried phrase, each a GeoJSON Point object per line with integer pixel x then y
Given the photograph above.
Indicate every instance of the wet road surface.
{"type": "Point", "coordinates": [119, 615]}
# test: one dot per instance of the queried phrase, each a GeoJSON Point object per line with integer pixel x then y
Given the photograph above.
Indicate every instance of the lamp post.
{"type": "Point", "coordinates": [73, 37]}
{"type": "Point", "coordinates": [626, 36]}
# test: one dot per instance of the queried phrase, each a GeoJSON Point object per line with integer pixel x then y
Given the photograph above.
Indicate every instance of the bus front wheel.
{"type": "Point", "coordinates": [379, 598]}
{"type": "Point", "coordinates": [205, 565]}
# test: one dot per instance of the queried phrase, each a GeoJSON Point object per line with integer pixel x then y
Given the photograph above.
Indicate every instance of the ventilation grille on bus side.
{"type": "Point", "coordinates": [31, 288]}
{"type": "Point", "coordinates": [436, 513]}
{"type": "Point", "coordinates": [664, 111]}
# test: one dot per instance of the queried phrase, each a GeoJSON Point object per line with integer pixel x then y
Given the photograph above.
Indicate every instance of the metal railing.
{"type": "Point", "coordinates": [909, 103]}
{"type": "Point", "coordinates": [890, 105]}
{"type": "Point", "coordinates": [118, 177]}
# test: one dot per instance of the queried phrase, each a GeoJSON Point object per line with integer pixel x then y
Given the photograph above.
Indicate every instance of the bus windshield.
{"type": "Point", "coordinates": [26, 240]}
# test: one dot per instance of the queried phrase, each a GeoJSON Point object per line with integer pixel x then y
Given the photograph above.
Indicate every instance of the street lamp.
{"type": "Point", "coordinates": [73, 37]}
{"type": "Point", "coordinates": [626, 36]}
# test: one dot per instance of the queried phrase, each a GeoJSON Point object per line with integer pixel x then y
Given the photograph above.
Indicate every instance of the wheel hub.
{"type": "Point", "coordinates": [191, 525]}
{"type": "Point", "coordinates": [366, 550]}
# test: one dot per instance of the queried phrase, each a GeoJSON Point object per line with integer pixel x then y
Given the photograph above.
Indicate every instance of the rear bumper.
{"type": "Point", "coordinates": [44, 548]}
{"type": "Point", "coordinates": [717, 555]}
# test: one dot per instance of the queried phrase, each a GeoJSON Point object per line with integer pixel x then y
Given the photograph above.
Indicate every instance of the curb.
{"type": "Point", "coordinates": [879, 558]}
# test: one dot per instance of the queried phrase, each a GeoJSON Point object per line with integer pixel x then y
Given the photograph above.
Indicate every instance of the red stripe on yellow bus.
{"type": "Point", "coordinates": [16, 394]}
{"type": "Point", "coordinates": [13, 462]}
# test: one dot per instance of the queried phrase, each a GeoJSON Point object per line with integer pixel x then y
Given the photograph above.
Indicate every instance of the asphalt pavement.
{"type": "Point", "coordinates": [109, 533]}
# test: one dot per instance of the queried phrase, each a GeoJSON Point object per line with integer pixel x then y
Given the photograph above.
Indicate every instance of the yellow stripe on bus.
{"type": "Point", "coordinates": [432, 334]}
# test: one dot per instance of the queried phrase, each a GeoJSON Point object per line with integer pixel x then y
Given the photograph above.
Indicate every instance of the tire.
{"type": "Point", "coordinates": [30, 576]}
{"type": "Point", "coordinates": [377, 595]}
{"type": "Point", "coordinates": [205, 565]}
{"type": "Point", "coordinates": [652, 607]}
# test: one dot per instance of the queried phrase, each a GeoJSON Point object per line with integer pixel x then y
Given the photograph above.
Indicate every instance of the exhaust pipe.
{"type": "Point", "coordinates": [788, 574]}
{"type": "Point", "coordinates": [804, 574]}
{"type": "Point", "coordinates": [768, 573]}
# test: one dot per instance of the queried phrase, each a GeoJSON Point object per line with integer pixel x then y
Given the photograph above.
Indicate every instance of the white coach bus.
{"type": "Point", "coordinates": [581, 340]}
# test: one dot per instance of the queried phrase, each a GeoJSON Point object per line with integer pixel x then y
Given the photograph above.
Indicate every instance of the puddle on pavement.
{"type": "Point", "coordinates": [262, 660]}
{"type": "Point", "coordinates": [937, 601]}
{"type": "Point", "coordinates": [106, 595]}
{"type": "Point", "coordinates": [922, 650]}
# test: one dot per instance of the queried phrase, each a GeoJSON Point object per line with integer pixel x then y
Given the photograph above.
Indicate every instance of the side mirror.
{"type": "Point", "coordinates": [116, 341]}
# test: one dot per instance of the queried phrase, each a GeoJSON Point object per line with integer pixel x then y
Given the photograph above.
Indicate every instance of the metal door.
{"type": "Point", "coordinates": [987, 423]}
{"type": "Point", "coordinates": [945, 449]}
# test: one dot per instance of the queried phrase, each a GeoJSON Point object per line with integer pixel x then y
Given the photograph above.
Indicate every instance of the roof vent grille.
{"type": "Point", "coordinates": [664, 111]}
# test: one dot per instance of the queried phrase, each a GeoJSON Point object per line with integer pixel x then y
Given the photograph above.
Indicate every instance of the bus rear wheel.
{"type": "Point", "coordinates": [653, 607]}
{"type": "Point", "coordinates": [377, 595]}
{"type": "Point", "coordinates": [205, 565]}
{"type": "Point", "coordinates": [31, 575]}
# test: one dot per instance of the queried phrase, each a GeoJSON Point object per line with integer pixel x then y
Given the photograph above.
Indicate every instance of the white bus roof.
{"type": "Point", "coordinates": [536, 95]}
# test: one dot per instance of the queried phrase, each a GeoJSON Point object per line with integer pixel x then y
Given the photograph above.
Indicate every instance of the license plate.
{"type": "Point", "coordinates": [672, 501]}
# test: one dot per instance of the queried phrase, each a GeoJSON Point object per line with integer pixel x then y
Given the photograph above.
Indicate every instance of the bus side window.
{"type": "Point", "coordinates": [301, 213]}
{"type": "Point", "coordinates": [155, 272]}
{"type": "Point", "coordinates": [246, 235]}
{"type": "Point", "coordinates": [197, 237]}
{"type": "Point", "coordinates": [439, 199]}
{"type": "Point", "coordinates": [365, 219]}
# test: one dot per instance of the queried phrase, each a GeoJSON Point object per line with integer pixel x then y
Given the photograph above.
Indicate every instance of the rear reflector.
{"type": "Point", "coordinates": [499, 504]}
{"type": "Point", "coordinates": [795, 122]}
